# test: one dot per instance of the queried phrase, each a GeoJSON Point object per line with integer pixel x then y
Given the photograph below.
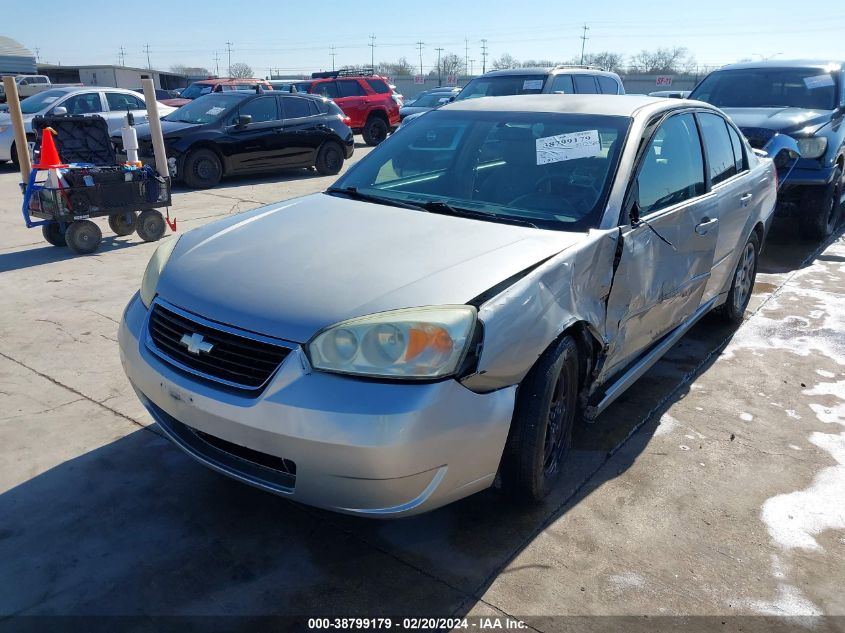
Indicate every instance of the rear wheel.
{"type": "Point", "coordinates": [375, 131]}
{"type": "Point", "coordinates": [123, 223]}
{"type": "Point", "coordinates": [54, 234]}
{"type": "Point", "coordinates": [329, 159]}
{"type": "Point", "coordinates": [743, 282]}
{"type": "Point", "coordinates": [202, 169]}
{"type": "Point", "coordinates": [822, 213]}
{"type": "Point", "coordinates": [150, 225]}
{"type": "Point", "coordinates": [541, 431]}
{"type": "Point", "coordinates": [83, 237]}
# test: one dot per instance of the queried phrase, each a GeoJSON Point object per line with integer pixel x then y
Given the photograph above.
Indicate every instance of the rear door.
{"type": "Point", "coordinates": [730, 180]}
{"type": "Point", "coordinates": [665, 258]}
{"type": "Point", "coordinates": [302, 132]}
{"type": "Point", "coordinates": [256, 145]}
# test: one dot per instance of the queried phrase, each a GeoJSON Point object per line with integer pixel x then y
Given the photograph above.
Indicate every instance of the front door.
{"type": "Point", "coordinates": [666, 257]}
{"type": "Point", "coordinates": [254, 146]}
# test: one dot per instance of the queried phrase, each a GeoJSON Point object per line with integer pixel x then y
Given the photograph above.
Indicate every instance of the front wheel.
{"type": "Point", "coordinates": [54, 234]}
{"type": "Point", "coordinates": [541, 431]}
{"type": "Point", "coordinates": [202, 169]}
{"type": "Point", "coordinates": [150, 225]}
{"type": "Point", "coordinates": [83, 237]}
{"type": "Point", "coordinates": [329, 159]}
{"type": "Point", "coordinates": [743, 282]}
{"type": "Point", "coordinates": [821, 213]}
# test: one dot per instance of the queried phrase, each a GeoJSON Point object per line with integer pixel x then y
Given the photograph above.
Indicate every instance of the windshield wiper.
{"type": "Point", "coordinates": [438, 206]}
{"type": "Point", "coordinates": [354, 193]}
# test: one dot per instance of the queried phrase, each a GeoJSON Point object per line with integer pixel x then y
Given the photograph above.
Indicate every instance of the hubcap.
{"type": "Point", "coordinates": [744, 277]}
{"type": "Point", "coordinates": [205, 169]}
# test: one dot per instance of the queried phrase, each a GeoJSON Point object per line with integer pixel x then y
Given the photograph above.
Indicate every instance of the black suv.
{"type": "Point", "coordinates": [240, 132]}
{"type": "Point", "coordinates": [806, 100]}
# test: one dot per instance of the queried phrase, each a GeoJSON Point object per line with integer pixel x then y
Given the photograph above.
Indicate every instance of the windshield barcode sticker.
{"type": "Point", "coordinates": [532, 84]}
{"type": "Point", "coordinates": [553, 149]}
{"type": "Point", "coordinates": [215, 111]}
{"type": "Point", "coordinates": [819, 81]}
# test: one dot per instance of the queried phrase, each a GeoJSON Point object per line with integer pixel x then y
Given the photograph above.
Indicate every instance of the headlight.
{"type": "Point", "coordinates": [415, 343]}
{"type": "Point", "coordinates": [813, 147]}
{"type": "Point", "coordinates": [154, 268]}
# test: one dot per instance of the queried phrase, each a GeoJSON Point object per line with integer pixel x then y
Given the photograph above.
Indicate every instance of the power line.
{"type": "Point", "coordinates": [147, 51]}
{"type": "Point", "coordinates": [229, 51]}
{"type": "Point", "coordinates": [483, 56]}
{"type": "Point", "coordinates": [372, 46]}
{"type": "Point", "coordinates": [439, 50]}
{"type": "Point", "coordinates": [420, 46]}
{"type": "Point", "coordinates": [584, 39]}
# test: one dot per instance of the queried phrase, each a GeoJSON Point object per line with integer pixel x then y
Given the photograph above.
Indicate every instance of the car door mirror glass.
{"type": "Point", "coordinates": [59, 111]}
{"type": "Point", "coordinates": [243, 120]}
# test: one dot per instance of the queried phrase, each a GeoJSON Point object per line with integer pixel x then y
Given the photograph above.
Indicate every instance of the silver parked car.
{"type": "Point", "coordinates": [109, 103]}
{"type": "Point", "coordinates": [454, 304]}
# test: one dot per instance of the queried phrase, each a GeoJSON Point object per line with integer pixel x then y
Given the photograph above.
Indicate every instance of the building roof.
{"type": "Point", "coordinates": [11, 48]}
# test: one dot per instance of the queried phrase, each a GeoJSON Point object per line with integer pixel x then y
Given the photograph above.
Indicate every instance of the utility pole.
{"type": "Point", "coordinates": [333, 54]}
{"type": "Point", "coordinates": [584, 39]}
{"type": "Point", "coordinates": [372, 46]}
{"type": "Point", "coordinates": [483, 56]}
{"type": "Point", "coordinates": [122, 56]}
{"type": "Point", "coordinates": [466, 56]}
{"type": "Point", "coordinates": [420, 46]}
{"type": "Point", "coordinates": [439, 50]}
{"type": "Point", "coordinates": [229, 50]}
{"type": "Point", "coordinates": [471, 62]}
{"type": "Point", "coordinates": [37, 51]}
{"type": "Point", "coordinates": [216, 64]}
{"type": "Point", "coordinates": [147, 51]}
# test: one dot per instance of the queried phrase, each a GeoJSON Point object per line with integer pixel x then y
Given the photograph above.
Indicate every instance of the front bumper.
{"type": "Point", "coordinates": [360, 447]}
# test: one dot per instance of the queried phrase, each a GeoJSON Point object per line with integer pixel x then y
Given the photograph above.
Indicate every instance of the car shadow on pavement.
{"type": "Point", "coordinates": [137, 527]}
{"type": "Point", "coordinates": [229, 182]}
{"type": "Point", "coordinates": [38, 255]}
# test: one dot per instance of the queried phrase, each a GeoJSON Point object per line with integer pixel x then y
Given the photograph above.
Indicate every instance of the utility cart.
{"type": "Point", "coordinates": [76, 178]}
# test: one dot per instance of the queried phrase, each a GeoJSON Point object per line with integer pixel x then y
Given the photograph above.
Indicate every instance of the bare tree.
{"type": "Point", "coordinates": [662, 61]}
{"type": "Point", "coordinates": [401, 67]}
{"type": "Point", "coordinates": [191, 71]}
{"type": "Point", "coordinates": [506, 60]}
{"type": "Point", "coordinates": [537, 63]}
{"type": "Point", "coordinates": [451, 64]}
{"type": "Point", "coordinates": [240, 70]}
{"type": "Point", "coordinates": [605, 60]}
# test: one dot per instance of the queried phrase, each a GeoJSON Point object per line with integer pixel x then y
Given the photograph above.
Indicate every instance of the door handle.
{"type": "Point", "coordinates": [745, 199]}
{"type": "Point", "coordinates": [703, 227]}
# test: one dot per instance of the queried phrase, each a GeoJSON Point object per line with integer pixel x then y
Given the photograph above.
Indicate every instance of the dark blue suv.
{"type": "Point", "coordinates": [806, 100]}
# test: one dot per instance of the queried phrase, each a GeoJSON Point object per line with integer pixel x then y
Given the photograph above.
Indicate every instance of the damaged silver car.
{"type": "Point", "coordinates": [449, 309]}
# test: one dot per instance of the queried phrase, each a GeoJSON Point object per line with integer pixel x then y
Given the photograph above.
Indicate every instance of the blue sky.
{"type": "Point", "coordinates": [297, 36]}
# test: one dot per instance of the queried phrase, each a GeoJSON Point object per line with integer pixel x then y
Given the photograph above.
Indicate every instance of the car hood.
{"type": "Point", "coordinates": [167, 127]}
{"type": "Point", "coordinates": [290, 269]}
{"type": "Point", "coordinates": [409, 110]}
{"type": "Point", "coordinates": [785, 120]}
{"type": "Point", "coordinates": [6, 119]}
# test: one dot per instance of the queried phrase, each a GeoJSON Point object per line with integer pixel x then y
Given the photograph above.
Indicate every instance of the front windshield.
{"type": "Point", "coordinates": [810, 88]}
{"type": "Point", "coordinates": [204, 109]}
{"type": "Point", "coordinates": [195, 90]}
{"type": "Point", "coordinates": [548, 169]}
{"type": "Point", "coordinates": [502, 86]}
{"type": "Point", "coordinates": [38, 102]}
{"type": "Point", "coordinates": [430, 100]}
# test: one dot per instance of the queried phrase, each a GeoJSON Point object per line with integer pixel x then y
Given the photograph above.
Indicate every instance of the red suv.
{"type": "Point", "coordinates": [367, 100]}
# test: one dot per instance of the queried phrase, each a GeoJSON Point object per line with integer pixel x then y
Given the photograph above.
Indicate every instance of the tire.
{"type": "Point", "coordinates": [375, 130]}
{"type": "Point", "coordinates": [14, 152]}
{"type": "Point", "coordinates": [123, 223]}
{"type": "Point", "coordinates": [821, 213]}
{"type": "Point", "coordinates": [329, 159]}
{"type": "Point", "coordinates": [150, 225]}
{"type": "Point", "coordinates": [541, 431]}
{"type": "Point", "coordinates": [202, 169]}
{"type": "Point", "coordinates": [83, 237]}
{"type": "Point", "coordinates": [54, 234]}
{"type": "Point", "coordinates": [742, 284]}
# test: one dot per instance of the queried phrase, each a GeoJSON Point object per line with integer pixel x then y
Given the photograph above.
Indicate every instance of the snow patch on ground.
{"type": "Point", "coordinates": [824, 373]}
{"type": "Point", "coordinates": [746, 416]}
{"type": "Point", "coordinates": [789, 601]}
{"type": "Point", "coordinates": [627, 580]}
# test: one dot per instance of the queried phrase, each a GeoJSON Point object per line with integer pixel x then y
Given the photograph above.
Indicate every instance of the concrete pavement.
{"type": "Point", "coordinates": [715, 486]}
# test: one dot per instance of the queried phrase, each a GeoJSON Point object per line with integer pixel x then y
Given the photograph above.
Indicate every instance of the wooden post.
{"type": "Point", "coordinates": [155, 127]}
{"type": "Point", "coordinates": [21, 144]}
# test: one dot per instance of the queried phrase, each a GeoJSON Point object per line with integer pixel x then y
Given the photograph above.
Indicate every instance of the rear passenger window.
{"type": "Point", "coordinates": [379, 86]}
{"type": "Point", "coordinates": [295, 108]}
{"type": "Point", "coordinates": [608, 85]}
{"type": "Point", "coordinates": [673, 167]}
{"type": "Point", "coordinates": [562, 84]}
{"type": "Point", "coordinates": [585, 84]}
{"type": "Point", "coordinates": [325, 88]}
{"type": "Point", "coordinates": [350, 88]}
{"type": "Point", "coordinates": [720, 155]}
{"type": "Point", "coordinates": [739, 155]}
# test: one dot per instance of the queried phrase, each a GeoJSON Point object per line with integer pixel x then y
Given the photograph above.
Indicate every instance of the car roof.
{"type": "Point", "coordinates": [607, 105]}
{"type": "Point", "coordinates": [556, 70]}
{"type": "Point", "coordinates": [215, 82]}
{"type": "Point", "coordinates": [69, 89]}
{"type": "Point", "coordinates": [825, 64]}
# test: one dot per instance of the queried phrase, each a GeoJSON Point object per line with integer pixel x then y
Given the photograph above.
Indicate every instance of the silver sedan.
{"type": "Point", "coordinates": [444, 315]}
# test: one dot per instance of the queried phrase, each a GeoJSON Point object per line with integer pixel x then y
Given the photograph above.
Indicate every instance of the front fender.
{"type": "Point", "coordinates": [783, 150]}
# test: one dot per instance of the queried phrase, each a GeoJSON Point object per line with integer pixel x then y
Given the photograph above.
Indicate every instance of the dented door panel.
{"type": "Point", "coordinates": [523, 320]}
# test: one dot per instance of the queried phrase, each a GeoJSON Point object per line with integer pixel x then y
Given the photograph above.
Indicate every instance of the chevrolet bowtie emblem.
{"type": "Point", "coordinates": [195, 343]}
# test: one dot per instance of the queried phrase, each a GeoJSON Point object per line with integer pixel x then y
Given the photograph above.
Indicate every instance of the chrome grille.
{"type": "Point", "coordinates": [244, 361]}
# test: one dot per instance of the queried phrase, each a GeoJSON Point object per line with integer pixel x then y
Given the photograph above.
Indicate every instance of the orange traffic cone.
{"type": "Point", "coordinates": [49, 154]}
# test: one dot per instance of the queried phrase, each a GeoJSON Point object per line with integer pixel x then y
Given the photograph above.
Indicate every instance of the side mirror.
{"type": "Point", "coordinates": [451, 99]}
{"type": "Point", "coordinates": [632, 204]}
{"type": "Point", "coordinates": [59, 111]}
{"type": "Point", "coordinates": [784, 152]}
{"type": "Point", "coordinates": [243, 120]}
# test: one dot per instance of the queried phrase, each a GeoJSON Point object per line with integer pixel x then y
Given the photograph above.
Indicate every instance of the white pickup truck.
{"type": "Point", "coordinates": [29, 85]}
